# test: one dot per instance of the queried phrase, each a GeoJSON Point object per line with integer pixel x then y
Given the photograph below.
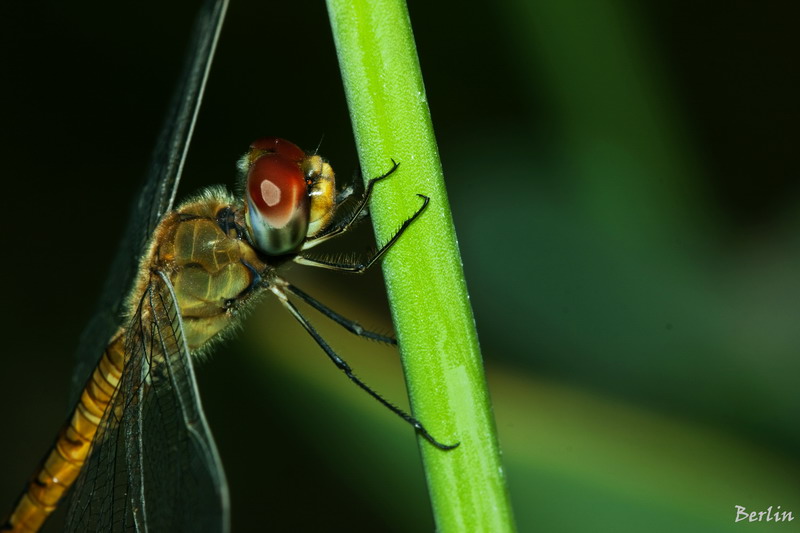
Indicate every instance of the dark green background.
{"type": "Point", "coordinates": [624, 182]}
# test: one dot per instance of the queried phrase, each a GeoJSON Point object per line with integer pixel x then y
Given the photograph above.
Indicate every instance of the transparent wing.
{"type": "Point", "coordinates": [153, 465]}
{"type": "Point", "coordinates": [158, 194]}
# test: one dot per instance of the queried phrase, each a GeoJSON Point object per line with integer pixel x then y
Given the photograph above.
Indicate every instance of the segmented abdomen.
{"type": "Point", "coordinates": [62, 465]}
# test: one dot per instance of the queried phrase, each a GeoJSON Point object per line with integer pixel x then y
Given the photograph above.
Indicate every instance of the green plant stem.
{"type": "Point", "coordinates": [425, 282]}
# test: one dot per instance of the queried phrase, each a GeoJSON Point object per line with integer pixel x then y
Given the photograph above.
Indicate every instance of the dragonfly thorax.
{"type": "Point", "coordinates": [212, 267]}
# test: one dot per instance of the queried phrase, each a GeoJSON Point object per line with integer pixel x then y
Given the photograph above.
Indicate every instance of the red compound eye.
{"type": "Point", "coordinates": [277, 198]}
{"type": "Point", "coordinates": [281, 147]}
{"type": "Point", "coordinates": [277, 188]}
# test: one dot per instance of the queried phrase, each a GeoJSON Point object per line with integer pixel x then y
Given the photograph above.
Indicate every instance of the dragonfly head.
{"type": "Point", "coordinates": [289, 195]}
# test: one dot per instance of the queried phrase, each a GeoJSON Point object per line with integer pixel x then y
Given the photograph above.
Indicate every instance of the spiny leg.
{"type": "Point", "coordinates": [358, 268]}
{"type": "Point", "coordinates": [342, 365]}
{"type": "Point", "coordinates": [350, 325]}
{"type": "Point", "coordinates": [347, 224]}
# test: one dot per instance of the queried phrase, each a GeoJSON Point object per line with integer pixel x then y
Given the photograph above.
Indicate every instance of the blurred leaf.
{"type": "Point", "coordinates": [576, 461]}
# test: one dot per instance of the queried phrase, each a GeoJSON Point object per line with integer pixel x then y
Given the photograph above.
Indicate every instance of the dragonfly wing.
{"type": "Point", "coordinates": [158, 194]}
{"type": "Point", "coordinates": [154, 465]}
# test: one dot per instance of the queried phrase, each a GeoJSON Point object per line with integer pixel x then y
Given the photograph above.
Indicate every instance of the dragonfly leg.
{"type": "Point", "coordinates": [350, 325]}
{"type": "Point", "coordinates": [344, 226]}
{"type": "Point", "coordinates": [360, 267]}
{"type": "Point", "coordinates": [342, 365]}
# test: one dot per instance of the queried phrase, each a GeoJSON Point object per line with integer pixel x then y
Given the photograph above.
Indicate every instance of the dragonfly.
{"type": "Point", "coordinates": [136, 453]}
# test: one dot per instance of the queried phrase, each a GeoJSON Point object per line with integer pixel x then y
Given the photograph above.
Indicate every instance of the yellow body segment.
{"type": "Point", "coordinates": [322, 193]}
{"type": "Point", "coordinates": [63, 464]}
{"type": "Point", "coordinates": [212, 272]}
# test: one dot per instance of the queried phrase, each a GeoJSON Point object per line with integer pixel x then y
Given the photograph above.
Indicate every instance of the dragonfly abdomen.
{"type": "Point", "coordinates": [62, 465]}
